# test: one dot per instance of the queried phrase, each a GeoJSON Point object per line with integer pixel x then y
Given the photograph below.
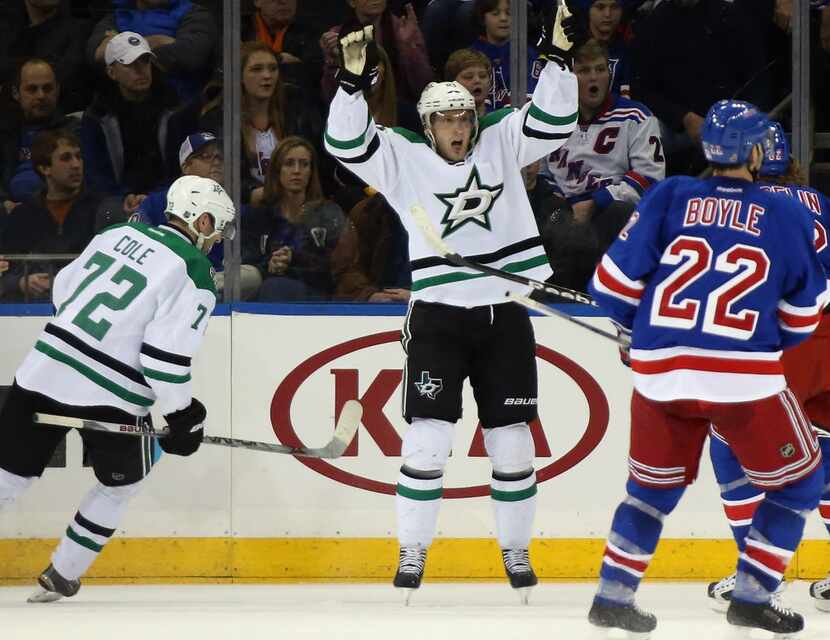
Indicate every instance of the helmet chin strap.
{"type": "Point", "coordinates": [202, 238]}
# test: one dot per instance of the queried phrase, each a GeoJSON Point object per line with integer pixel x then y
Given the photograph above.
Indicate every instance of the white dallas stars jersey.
{"type": "Point", "coordinates": [616, 156]}
{"type": "Point", "coordinates": [479, 205]}
{"type": "Point", "coordinates": [131, 311]}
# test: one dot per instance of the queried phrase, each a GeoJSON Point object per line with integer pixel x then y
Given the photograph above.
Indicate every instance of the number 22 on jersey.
{"type": "Point", "coordinates": [695, 258]}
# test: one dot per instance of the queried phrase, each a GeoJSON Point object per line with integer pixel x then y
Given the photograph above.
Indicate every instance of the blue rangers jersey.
{"type": "Point", "coordinates": [819, 206]}
{"type": "Point", "coordinates": [714, 277]}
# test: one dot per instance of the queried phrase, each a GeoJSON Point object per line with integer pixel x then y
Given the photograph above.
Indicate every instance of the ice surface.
{"type": "Point", "coordinates": [479, 611]}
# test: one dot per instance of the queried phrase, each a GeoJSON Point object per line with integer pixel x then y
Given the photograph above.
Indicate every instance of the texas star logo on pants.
{"type": "Point", "coordinates": [429, 387]}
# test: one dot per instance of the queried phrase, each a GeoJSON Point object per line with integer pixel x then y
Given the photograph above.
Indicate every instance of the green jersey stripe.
{"type": "Point", "coordinates": [83, 541]}
{"type": "Point", "coordinates": [457, 276]}
{"type": "Point", "coordinates": [354, 143]}
{"type": "Point", "coordinates": [547, 118]}
{"type": "Point", "coordinates": [93, 375]}
{"type": "Point", "coordinates": [419, 494]}
{"type": "Point", "coordinates": [513, 496]}
{"type": "Point", "coordinates": [166, 377]}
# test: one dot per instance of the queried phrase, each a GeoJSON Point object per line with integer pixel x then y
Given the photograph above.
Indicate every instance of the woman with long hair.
{"type": "Point", "coordinates": [271, 109]}
{"type": "Point", "coordinates": [290, 237]}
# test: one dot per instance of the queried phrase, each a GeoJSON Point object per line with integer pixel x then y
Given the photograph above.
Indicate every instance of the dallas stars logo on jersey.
{"type": "Point", "coordinates": [470, 203]}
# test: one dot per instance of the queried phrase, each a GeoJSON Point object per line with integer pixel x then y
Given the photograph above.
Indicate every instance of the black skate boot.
{"type": "Point", "coordinates": [820, 593]}
{"type": "Point", "coordinates": [770, 616]}
{"type": "Point", "coordinates": [629, 617]}
{"type": "Point", "coordinates": [53, 586]}
{"type": "Point", "coordinates": [518, 570]}
{"type": "Point", "coordinates": [411, 561]}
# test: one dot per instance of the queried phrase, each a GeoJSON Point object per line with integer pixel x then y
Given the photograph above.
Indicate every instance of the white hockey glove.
{"type": "Point", "coordinates": [567, 33]}
{"type": "Point", "coordinates": [358, 60]}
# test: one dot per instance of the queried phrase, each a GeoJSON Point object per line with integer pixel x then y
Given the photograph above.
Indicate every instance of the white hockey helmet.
{"type": "Point", "coordinates": [445, 96]}
{"type": "Point", "coordinates": [191, 196]}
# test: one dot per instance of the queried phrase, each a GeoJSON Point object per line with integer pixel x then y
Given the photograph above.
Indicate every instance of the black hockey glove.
{"type": "Point", "coordinates": [186, 429]}
{"type": "Point", "coordinates": [358, 54]}
{"type": "Point", "coordinates": [563, 34]}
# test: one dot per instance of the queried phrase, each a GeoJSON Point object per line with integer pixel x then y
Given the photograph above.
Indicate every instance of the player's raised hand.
{"type": "Point", "coordinates": [563, 33]}
{"type": "Point", "coordinates": [358, 60]}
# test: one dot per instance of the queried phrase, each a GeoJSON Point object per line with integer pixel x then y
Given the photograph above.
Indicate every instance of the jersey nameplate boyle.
{"type": "Point", "coordinates": [470, 203]}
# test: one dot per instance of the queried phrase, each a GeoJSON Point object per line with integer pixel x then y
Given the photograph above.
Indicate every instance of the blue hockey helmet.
{"type": "Point", "coordinates": [732, 128]}
{"type": "Point", "coordinates": [777, 159]}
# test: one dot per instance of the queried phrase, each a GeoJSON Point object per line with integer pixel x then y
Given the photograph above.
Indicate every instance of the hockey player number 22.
{"type": "Point", "coordinates": [694, 257]}
{"type": "Point", "coordinates": [100, 263]}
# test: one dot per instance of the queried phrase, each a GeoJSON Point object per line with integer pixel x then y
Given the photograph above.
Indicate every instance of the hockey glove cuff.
{"type": "Point", "coordinates": [358, 53]}
{"type": "Point", "coordinates": [186, 429]}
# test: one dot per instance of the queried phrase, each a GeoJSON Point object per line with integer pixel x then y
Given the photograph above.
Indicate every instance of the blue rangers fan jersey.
{"type": "Point", "coordinates": [615, 156]}
{"type": "Point", "coordinates": [714, 277]}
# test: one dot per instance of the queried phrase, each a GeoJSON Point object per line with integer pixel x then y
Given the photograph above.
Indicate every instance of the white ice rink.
{"type": "Point", "coordinates": [360, 611]}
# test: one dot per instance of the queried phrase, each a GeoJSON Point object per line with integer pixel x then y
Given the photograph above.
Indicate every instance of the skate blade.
{"type": "Point", "coordinates": [524, 594]}
{"type": "Point", "coordinates": [718, 606]}
{"type": "Point", "coordinates": [614, 633]}
{"type": "Point", "coordinates": [755, 633]}
{"type": "Point", "coordinates": [407, 594]}
{"type": "Point", "coordinates": [42, 595]}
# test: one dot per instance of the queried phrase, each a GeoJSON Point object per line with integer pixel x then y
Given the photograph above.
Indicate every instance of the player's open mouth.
{"type": "Point", "coordinates": [457, 145]}
{"type": "Point", "coordinates": [593, 89]}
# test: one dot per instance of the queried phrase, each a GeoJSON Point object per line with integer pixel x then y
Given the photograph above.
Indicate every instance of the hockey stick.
{"type": "Point", "coordinates": [343, 433]}
{"type": "Point", "coordinates": [431, 234]}
{"type": "Point", "coordinates": [553, 313]}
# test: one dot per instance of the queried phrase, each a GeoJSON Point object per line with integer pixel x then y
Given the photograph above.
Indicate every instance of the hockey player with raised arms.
{"type": "Point", "coordinates": [806, 367]}
{"type": "Point", "coordinates": [712, 279]}
{"type": "Point", "coordinates": [131, 312]}
{"type": "Point", "coordinates": [467, 177]}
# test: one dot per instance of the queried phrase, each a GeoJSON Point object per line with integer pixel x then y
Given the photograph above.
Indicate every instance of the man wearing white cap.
{"type": "Point", "coordinates": [125, 130]}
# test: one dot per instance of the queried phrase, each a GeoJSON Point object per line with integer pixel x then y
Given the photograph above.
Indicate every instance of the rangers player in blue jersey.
{"type": "Point", "coordinates": [711, 279]}
{"type": "Point", "coordinates": [806, 367]}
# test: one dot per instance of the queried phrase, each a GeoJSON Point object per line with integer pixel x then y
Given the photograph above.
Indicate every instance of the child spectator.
{"type": "Point", "coordinates": [494, 22]}
{"type": "Point", "coordinates": [473, 70]}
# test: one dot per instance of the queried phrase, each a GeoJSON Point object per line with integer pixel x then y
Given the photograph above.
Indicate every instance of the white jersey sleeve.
{"type": "Point", "coordinates": [353, 138]}
{"type": "Point", "coordinates": [171, 339]}
{"type": "Point", "coordinates": [546, 122]}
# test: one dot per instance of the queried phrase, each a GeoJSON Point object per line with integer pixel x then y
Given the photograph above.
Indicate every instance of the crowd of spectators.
{"type": "Point", "coordinates": [104, 103]}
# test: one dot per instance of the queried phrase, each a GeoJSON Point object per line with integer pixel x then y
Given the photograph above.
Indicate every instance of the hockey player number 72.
{"type": "Point", "coordinates": [694, 255]}
{"type": "Point", "coordinates": [99, 263]}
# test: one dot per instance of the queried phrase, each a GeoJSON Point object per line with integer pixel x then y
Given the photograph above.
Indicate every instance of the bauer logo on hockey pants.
{"type": "Point", "coordinates": [573, 415]}
{"type": "Point", "coordinates": [519, 402]}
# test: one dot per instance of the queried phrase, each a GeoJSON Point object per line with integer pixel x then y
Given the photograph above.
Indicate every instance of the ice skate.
{"type": "Point", "coordinates": [53, 586]}
{"type": "Point", "coordinates": [638, 624]}
{"type": "Point", "coordinates": [720, 593]}
{"type": "Point", "coordinates": [769, 616]}
{"type": "Point", "coordinates": [411, 562]}
{"type": "Point", "coordinates": [820, 593]}
{"type": "Point", "coordinates": [518, 570]}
